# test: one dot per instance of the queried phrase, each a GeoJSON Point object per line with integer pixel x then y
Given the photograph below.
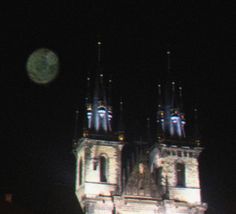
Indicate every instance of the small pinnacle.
{"type": "Point", "coordinates": [180, 88]}
{"type": "Point", "coordinates": [101, 75]}
{"type": "Point", "coordinates": [99, 43]}
{"type": "Point", "coordinates": [159, 85]}
{"type": "Point", "coordinates": [88, 78]}
{"type": "Point", "coordinates": [168, 52]}
{"type": "Point", "coordinates": [173, 83]}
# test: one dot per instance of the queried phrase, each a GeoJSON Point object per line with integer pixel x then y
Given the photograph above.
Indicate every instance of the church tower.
{"type": "Point", "coordinates": [98, 152]}
{"type": "Point", "coordinates": [160, 177]}
{"type": "Point", "coordinates": [174, 158]}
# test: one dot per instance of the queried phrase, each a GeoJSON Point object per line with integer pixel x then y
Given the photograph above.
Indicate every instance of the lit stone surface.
{"type": "Point", "coordinates": [103, 197]}
{"type": "Point", "coordinates": [161, 178]}
{"type": "Point", "coordinates": [89, 151]}
{"type": "Point", "coordinates": [191, 191]}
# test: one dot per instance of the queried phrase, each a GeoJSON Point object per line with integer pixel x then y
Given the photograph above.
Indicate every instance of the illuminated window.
{"type": "Point", "coordinates": [180, 175]}
{"type": "Point", "coordinates": [103, 169]}
{"type": "Point", "coordinates": [80, 171]}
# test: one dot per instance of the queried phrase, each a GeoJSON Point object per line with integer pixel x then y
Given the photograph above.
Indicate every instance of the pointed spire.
{"type": "Point", "coordinates": [168, 84]}
{"type": "Point", "coordinates": [88, 92]}
{"type": "Point", "coordinates": [99, 44]}
{"type": "Point", "coordinates": [180, 102]}
{"type": "Point", "coordinates": [168, 62]}
{"type": "Point", "coordinates": [99, 62]}
{"type": "Point", "coordinates": [88, 107]}
{"type": "Point", "coordinates": [99, 85]}
{"type": "Point", "coordinates": [109, 91]}
{"type": "Point", "coordinates": [121, 128]}
{"type": "Point", "coordinates": [170, 118]}
{"type": "Point", "coordinates": [98, 107]}
{"type": "Point", "coordinates": [159, 102]}
{"type": "Point", "coordinates": [160, 114]}
{"type": "Point", "coordinates": [173, 95]}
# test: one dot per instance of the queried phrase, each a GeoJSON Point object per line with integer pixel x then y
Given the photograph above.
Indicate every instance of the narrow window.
{"type": "Point", "coordinates": [80, 172]}
{"type": "Point", "coordinates": [158, 175]}
{"type": "Point", "coordinates": [180, 174]}
{"type": "Point", "coordinates": [103, 170]}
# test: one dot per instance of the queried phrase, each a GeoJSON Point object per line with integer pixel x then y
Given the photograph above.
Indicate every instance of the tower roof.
{"type": "Point", "coordinates": [170, 115]}
{"type": "Point", "coordinates": [99, 102]}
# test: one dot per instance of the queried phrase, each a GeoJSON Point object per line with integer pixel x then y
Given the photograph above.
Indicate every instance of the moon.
{"type": "Point", "coordinates": [42, 66]}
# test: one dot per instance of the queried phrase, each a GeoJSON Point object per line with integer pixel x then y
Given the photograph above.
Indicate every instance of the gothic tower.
{"type": "Point", "coordinates": [98, 152]}
{"type": "Point", "coordinates": [174, 158]}
{"type": "Point", "coordinates": [163, 177]}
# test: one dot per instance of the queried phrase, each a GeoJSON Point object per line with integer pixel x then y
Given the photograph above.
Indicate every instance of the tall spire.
{"type": "Point", "coordinates": [121, 128]}
{"type": "Point", "coordinates": [168, 62]}
{"type": "Point", "coordinates": [98, 106]}
{"type": "Point", "coordinates": [160, 114]}
{"type": "Point", "coordinates": [173, 95]}
{"type": "Point", "coordinates": [109, 104]}
{"type": "Point", "coordinates": [170, 115]}
{"type": "Point", "coordinates": [88, 105]}
{"type": "Point", "coordinates": [180, 99]}
{"type": "Point", "coordinates": [88, 89]}
{"type": "Point", "coordinates": [99, 44]}
{"type": "Point", "coordinates": [159, 98]}
{"type": "Point", "coordinates": [109, 91]}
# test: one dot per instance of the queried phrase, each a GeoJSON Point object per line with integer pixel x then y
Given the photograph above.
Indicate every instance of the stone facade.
{"type": "Point", "coordinates": [166, 158]}
{"type": "Point", "coordinates": [162, 179]}
{"type": "Point", "coordinates": [141, 193]}
{"type": "Point", "coordinates": [88, 153]}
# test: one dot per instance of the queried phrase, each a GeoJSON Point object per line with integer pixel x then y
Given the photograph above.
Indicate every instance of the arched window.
{"type": "Point", "coordinates": [103, 169]}
{"type": "Point", "coordinates": [80, 172]}
{"type": "Point", "coordinates": [180, 174]}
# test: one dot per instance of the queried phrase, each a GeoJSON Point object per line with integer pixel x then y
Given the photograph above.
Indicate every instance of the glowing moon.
{"type": "Point", "coordinates": [42, 66]}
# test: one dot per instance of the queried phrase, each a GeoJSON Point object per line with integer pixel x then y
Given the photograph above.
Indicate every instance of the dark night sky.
{"type": "Point", "coordinates": [37, 122]}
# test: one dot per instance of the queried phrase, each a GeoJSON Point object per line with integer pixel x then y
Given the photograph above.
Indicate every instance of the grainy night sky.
{"type": "Point", "coordinates": [37, 122]}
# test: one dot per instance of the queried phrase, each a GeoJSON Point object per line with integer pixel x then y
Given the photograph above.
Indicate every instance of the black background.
{"type": "Point", "coordinates": [37, 122]}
